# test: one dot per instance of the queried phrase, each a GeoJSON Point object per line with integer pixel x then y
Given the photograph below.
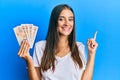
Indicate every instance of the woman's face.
{"type": "Point", "coordinates": [65, 22]}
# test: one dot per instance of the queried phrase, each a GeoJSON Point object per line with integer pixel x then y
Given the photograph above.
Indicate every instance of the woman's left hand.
{"type": "Point", "coordinates": [92, 44]}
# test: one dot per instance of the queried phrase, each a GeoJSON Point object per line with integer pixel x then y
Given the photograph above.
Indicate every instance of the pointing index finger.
{"type": "Point", "coordinates": [95, 35]}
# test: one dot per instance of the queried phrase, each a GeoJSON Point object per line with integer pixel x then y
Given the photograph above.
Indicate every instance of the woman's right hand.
{"type": "Point", "coordinates": [24, 50]}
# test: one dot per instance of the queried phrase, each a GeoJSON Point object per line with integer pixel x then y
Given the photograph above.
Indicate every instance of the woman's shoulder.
{"type": "Point", "coordinates": [80, 44]}
{"type": "Point", "coordinates": [81, 48]}
{"type": "Point", "coordinates": [40, 43]}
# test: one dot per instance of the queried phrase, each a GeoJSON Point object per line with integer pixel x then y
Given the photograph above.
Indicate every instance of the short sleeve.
{"type": "Point", "coordinates": [38, 52]}
{"type": "Point", "coordinates": [81, 49]}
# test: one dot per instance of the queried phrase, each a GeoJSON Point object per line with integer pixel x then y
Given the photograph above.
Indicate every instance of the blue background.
{"type": "Point", "coordinates": [91, 15]}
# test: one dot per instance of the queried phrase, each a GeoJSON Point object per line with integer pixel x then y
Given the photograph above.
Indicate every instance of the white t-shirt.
{"type": "Point", "coordinates": [65, 68]}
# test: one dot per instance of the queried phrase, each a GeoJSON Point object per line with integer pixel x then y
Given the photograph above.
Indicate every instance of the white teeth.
{"type": "Point", "coordinates": [66, 28]}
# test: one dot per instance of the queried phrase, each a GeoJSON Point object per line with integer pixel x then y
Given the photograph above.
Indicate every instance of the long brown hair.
{"type": "Point", "coordinates": [48, 59]}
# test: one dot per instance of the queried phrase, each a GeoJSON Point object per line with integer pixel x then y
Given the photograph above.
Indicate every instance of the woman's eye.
{"type": "Point", "coordinates": [60, 19]}
{"type": "Point", "coordinates": [70, 19]}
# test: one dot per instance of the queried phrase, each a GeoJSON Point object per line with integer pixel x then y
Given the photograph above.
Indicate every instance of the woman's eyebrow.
{"type": "Point", "coordinates": [64, 17]}
{"type": "Point", "coordinates": [71, 17]}
{"type": "Point", "coordinates": [61, 17]}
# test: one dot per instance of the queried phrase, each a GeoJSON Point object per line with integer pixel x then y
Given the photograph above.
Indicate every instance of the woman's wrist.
{"type": "Point", "coordinates": [29, 63]}
{"type": "Point", "coordinates": [28, 59]}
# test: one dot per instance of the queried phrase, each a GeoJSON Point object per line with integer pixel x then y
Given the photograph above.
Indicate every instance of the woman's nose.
{"type": "Point", "coordinates": [66, 22]}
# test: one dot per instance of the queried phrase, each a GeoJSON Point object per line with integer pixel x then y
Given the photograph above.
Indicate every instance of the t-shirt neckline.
{"type": "Point", "coordinates": [61, 58]}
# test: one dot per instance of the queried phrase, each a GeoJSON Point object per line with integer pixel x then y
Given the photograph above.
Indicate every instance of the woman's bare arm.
{"type": "Point", "coordinates": [92, 46]}
{"type": "Point", "coordinates": [33, 73]}
{"type": "Point", "coordinates": [87, 74]}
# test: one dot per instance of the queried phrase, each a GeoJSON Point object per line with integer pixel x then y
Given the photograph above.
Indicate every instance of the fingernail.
{"type": "Point", "coordinates": [20, 55]}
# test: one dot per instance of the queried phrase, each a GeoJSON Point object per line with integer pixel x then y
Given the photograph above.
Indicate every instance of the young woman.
{"type": "Point", "coordinates": [60, 57]}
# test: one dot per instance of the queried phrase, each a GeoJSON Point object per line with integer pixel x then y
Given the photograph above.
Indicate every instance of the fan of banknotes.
{"type": "Point", "coordinates": [26, 31]}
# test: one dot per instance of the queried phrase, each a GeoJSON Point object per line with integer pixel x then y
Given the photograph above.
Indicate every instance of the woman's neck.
{"type": "Point", "coordinates": [63, 41]}
{"type": "Point", "coordinates": [62, 47]}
